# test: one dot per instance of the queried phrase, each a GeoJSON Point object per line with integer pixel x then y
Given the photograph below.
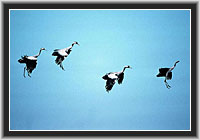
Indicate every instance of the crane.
{"type": "Point", "coordinates": [62, 54]}
{"type": "Point", "coordinates": [30, 61]}
{"type": "Point", "coordinates": [111, 77]}
{"type": "Point", "coordinates": [167, 73]}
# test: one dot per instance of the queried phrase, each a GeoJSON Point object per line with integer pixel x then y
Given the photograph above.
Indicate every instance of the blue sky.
{"type": "Point", "coordinates": [76, 99]}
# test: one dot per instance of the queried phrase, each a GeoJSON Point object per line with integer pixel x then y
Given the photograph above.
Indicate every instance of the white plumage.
{"type": "Point", "coordinates": [32, 58]}
{"type": "Point", "coordinates": [30, 61]}
{"type": "Point", "coordinates": [62, 54]}
{"type": "Point", "coordinates": [112, 77]}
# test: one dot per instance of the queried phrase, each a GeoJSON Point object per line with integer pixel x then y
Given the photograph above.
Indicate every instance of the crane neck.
{"type": "Point", "coordinates": [173, 67]}
{"type": "Point", "coordinates": [73, 44]}
{"type": "Point", "coordinates": [38, 53]}
{"type": "Point", "coordinates": [124, 69]}
{"type": "Point", "coordinates": [70, 47]}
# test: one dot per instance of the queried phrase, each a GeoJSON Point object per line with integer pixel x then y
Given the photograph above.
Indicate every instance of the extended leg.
{"type": "Point", "coordinates": [61, 66]}
{"type": "Point", "coordinates": [24, 71]}
{"type": "Point", "coordinates": [29, 73]}
{"type": "Point", "coordinates": [167, 85]}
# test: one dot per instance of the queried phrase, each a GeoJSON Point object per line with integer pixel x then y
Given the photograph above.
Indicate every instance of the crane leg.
{"type": "Point", "coordinates": [167, 85]}
{"type": "Point", "coordinates": [24, 72]}
{"type": "Point", "coordinates": [61, 66]}
{"type": "Point", "coordinates": [28, 71]}
{"type": "Point", "coordinates": [29, 74]}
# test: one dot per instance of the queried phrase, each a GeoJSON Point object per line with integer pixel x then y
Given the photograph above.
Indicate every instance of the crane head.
{"type": "Point", "coordinates": [128, 66]}
{"type": "Point", "coordinates": [75, 42]}
{"type": "Point", "coordinates": [42, 49]}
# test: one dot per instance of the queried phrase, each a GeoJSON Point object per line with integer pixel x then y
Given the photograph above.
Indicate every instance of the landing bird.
{"type": "Point", "coordinates": [112, 77]}
{"type": "Point", "coordinates": [62, 53]}
{"type": "Point", "coordinates": [30, 61]}
{"type": "Point", "coordinates": [167, 73]}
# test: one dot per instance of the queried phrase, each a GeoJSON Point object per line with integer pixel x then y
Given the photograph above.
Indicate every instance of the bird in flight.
{"type": "Point", "coordinates": [167, 73]}
{"type": "Point", "coordinates": [30, 61]}
{"type": "Point", "coordinates": [112, 77]}
{"type": "Point", "coordinates": [62, 54]}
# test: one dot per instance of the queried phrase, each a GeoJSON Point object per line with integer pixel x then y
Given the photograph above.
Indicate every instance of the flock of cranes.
{"type": "Point", "coordinates": [111, 77]}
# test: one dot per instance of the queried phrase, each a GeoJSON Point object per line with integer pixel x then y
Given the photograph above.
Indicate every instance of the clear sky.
{"type": "Point", "coordinates": [76, 99]}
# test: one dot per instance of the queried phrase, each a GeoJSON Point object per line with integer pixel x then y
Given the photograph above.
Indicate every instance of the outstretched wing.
{"type": "Point", "coordinates": [109, 84]}
{"type": "Point", "coordinates": [59, 59]}
{"type": "Point", "coordinates": [55, 53]}
{"type": "Point", "coordinates": [162, 72]}
{"type": "Point", "coordinates": [105, 77]}
{"type": "Point", "coordinates": [120, 78]}
{"type": "Point", "coordinates": [31, 65]}
{"type": "Point", "coordinates": [108, 76]}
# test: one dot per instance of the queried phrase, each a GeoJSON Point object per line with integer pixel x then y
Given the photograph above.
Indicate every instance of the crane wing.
{"type": "Point", "coordinates": [55, 53]}
{"type": "Point", "coordinates": [68, 51]}
{"type": "Point", "coordinates": [109, 84]}
{"type": "Point", "coordinates": [31, 65]}
{"type": "Point", "coordinates": [162, 72]}
{"type": "Point", "coordinates": [59, 59]}
{"type": "Point", "coordinates": [169, 76]}
{"type": "Point", "coordinates": [56, 50]}
{"type": "Point", "coordinates": [105, 77]}
{"type": "Point", "coordinates": [120, 78]}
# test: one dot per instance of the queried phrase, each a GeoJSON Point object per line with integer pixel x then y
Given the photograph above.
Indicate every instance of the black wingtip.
{"type": "Point", "coordinates": [105, 77]}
